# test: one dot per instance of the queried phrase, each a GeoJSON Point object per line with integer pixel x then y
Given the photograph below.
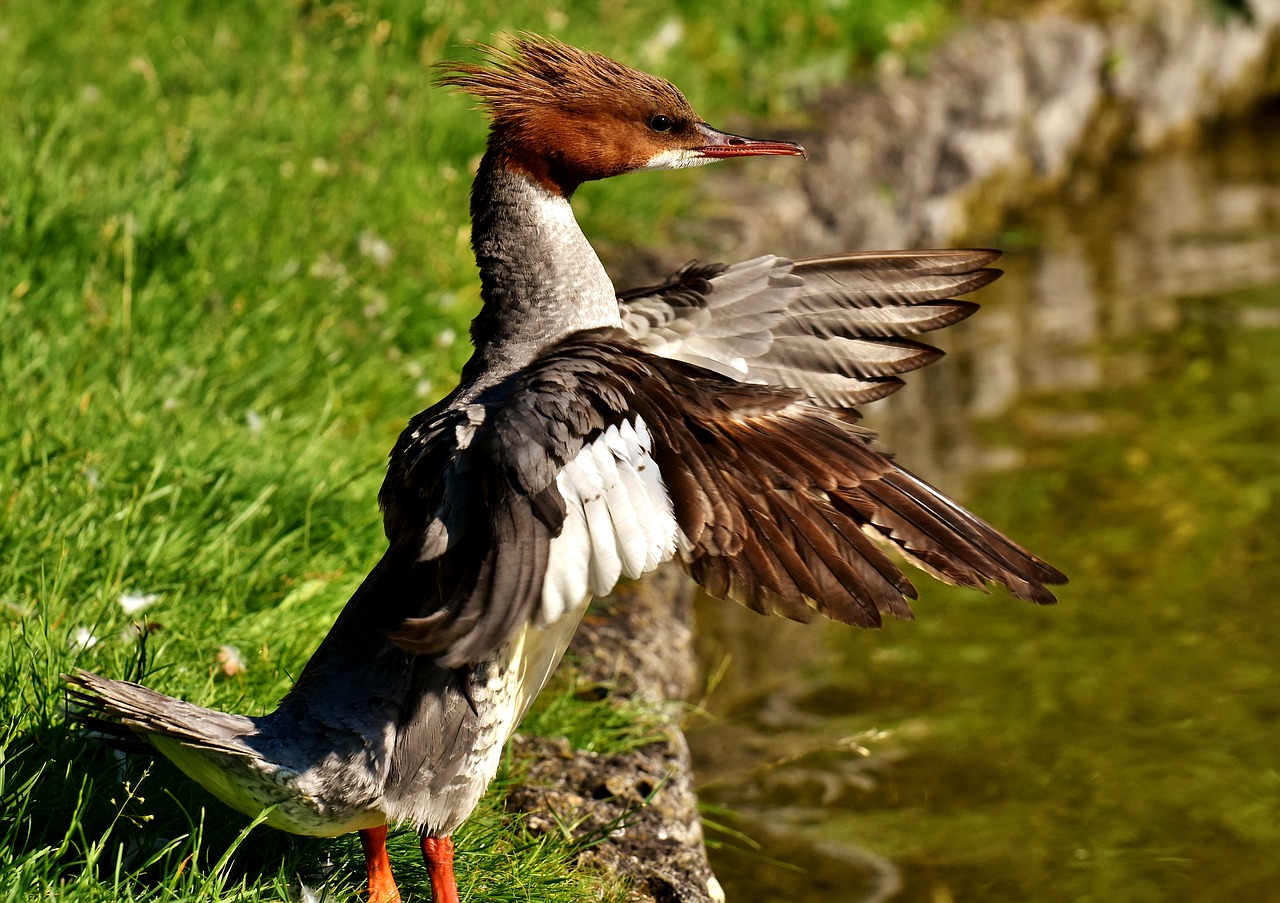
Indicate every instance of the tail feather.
{"type": "Point", "coordinates": [119, 708]}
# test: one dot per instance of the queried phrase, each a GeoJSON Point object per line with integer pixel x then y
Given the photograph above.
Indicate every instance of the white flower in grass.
{"type": "Point", "coordinates": [376, 304]}
{"type": "Point", "coordinates": [310, 895]}
{"type": "Point", "coordinates": [82, 638]}
{"type": "Point", "coordinates": [231, 661]}
{"type": "Point", "coordinates": [326, 266]}
{"type": "Point", "coordinates": [376, 248]}
{"type": "Point", "coordinates": [132, 603]}
{"type": "Point", "coordinates": [15, 611]}
{"type": "Point", "coordinates": [254, 421]}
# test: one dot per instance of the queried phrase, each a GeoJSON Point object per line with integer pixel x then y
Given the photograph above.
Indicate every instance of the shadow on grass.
{"type": "Point", "coordinates": [79, 813]}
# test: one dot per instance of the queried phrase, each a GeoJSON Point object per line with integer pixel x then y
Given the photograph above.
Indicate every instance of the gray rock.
{"type": "Point", "coordinates": [634, 815]}
{"type": "Point", "coordinates": [1006, 112]}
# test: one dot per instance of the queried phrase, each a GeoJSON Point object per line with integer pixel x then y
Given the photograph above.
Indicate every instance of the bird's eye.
{"type": "Point", "coordinates": [661, 123]}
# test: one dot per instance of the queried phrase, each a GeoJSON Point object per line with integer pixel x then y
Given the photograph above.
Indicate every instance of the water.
{"type": "Point", "coordinates": [1115, 406]}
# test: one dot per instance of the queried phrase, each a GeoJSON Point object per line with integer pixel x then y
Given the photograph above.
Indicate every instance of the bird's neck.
{"type": "Point", "coordinates": [540, 279]}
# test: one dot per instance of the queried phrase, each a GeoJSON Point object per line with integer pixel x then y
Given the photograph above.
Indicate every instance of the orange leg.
{"type": "Point", "coordinates": [382, 884]}
{"type": "Point", "coordinates": [438, 853]}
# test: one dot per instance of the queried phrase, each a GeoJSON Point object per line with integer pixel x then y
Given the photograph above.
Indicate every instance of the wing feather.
{"type": "Point", "coordinates": [602, 460]}
{"type": "Point", "coordinates": [832, 326]}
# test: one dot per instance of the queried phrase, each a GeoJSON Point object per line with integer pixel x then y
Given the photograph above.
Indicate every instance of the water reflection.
{"type": "Point", "coordinates": [1116, 407]}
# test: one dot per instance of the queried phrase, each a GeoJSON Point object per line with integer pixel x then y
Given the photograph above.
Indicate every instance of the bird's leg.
{"type": "Point", "coordinates": [438, 853]}
{"type": "Point", "coordinates": [382, 884]}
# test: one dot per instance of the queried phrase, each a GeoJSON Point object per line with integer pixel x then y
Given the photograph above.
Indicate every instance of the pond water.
{"type": "Point", "coordinates": [1115, 406]}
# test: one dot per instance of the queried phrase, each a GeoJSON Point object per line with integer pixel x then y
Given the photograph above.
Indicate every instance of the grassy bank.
{"type": "Point", "coordinates": [233, 262]}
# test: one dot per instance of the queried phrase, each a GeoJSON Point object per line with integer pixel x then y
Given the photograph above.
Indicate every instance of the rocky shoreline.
{"type": "Point", "coordinates": [1008, 112]}
{"type": "Point", "coordinates": [641, 646]}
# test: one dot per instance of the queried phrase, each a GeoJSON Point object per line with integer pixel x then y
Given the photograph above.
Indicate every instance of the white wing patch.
{"type": "Point", "coordinates": [619, 521]}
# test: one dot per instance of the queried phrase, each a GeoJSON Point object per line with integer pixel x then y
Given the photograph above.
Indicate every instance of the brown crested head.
{"type": "Point", "coordinates": [566, 116]}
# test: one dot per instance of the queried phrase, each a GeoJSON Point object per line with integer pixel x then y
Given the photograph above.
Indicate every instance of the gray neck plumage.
{"type": "Point", "coordinates": [539, 277]}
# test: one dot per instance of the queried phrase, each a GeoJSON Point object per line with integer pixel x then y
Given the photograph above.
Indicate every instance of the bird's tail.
{"type": "Point", "coordinates": [125, 712]}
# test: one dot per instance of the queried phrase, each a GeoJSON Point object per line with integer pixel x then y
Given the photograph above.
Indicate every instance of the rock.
{"type": "Point", "coordinates": [634, 815]}
{"type": "Point", "coordinates": [1006, 112]}
{"type": "Point", "coordinates": [639, 641]}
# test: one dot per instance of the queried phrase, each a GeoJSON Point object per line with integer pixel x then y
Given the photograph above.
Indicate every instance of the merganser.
{"type": "Point", "coordinates": [593, 437]}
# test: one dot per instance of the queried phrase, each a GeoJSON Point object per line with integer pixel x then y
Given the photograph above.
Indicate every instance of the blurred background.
{"type": "Point", "coordinates": [234, 259]}
{"type": "Point", "coordinates": [1115, 405]}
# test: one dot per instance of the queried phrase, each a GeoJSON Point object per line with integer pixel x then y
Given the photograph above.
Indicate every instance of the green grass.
{"type": "Point", "coordinates": [233, 262]}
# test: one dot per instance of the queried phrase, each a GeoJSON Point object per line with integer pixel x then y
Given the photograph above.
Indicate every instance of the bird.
{"type": "Point", "coordinates": [708, 419]}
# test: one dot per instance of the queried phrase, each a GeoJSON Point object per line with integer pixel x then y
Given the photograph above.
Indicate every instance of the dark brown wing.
{"type": "Point", "coordinates": [542, 491]}
{"type": "Point", "coordinates": [787, 507]}
{"type": "Point", "coordinates": [486, 491]}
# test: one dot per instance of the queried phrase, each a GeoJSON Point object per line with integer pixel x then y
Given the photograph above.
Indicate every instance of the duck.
{"type": "Point", "coordinates": [709, 419]}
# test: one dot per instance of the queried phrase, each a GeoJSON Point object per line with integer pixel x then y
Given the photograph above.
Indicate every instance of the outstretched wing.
{"type": "Point", "coordinates": [789, 508]}
{"type": "Point", "coordinates": [601, 460]}
{"type": "Point", "coordinates": [537, 495]}
{"type": "Point", "coordinates": [835, 327]}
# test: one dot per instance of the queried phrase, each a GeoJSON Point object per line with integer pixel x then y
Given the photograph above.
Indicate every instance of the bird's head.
{"type": "Point", "coordinates": [565, 116]}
